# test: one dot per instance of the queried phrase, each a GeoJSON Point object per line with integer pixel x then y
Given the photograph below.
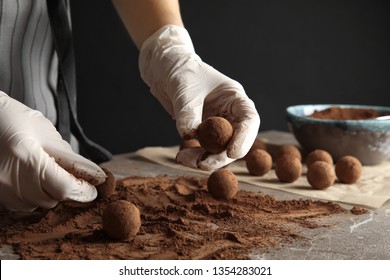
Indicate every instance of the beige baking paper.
{"type": "Point", "coordinates": [372, 190]}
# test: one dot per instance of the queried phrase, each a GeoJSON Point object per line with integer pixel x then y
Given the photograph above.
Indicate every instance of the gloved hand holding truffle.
{"type": "Point", "coordinates": [191, 90]}
{"type": "Point", "coordinates": [35, 161]}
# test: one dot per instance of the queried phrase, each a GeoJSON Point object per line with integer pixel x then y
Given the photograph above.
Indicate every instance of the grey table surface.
{"type": "Point", "coordinates": [348, 236]}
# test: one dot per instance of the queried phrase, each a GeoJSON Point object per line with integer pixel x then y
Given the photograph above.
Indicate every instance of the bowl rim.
{"type": "Point", "coordinates": [370, 124]}
{"type": "Point", "coordinates": [380, 109]}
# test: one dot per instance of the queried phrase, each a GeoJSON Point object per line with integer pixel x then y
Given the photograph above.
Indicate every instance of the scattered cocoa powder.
{"type": "Point", "coordinates": [338, 113]}
{"type": "Point", "coordinates": [180, 220]}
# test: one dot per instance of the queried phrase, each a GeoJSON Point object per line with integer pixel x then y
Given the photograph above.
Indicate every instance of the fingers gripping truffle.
{"type": "Point", "coordinates": [214, 134]}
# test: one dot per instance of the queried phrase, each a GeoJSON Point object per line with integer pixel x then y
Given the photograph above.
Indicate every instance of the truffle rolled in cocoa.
{"type": "Point", "coordinates": [348, 169]}
{"type": "Point", "coordinates": [107, 188]}
{"type": "Point", "coordinates": [258, 162]}
{"type": "Point", "coordinates": [288, 149]}
{"type": "Point", "coordinates": [288, 168]}
{"type": "Point", "coordinates": [318, 155]}
{"type": "Point", "coordinates": [214, 134]}
{"type": "Point", "coordinates": [222, 184]}
{"type": "Point", "coordinates": [321, 175]}
{"type": "Point", "coordinates": [121, 220]}
{"type": "Point", "coordinates": [191, 143]}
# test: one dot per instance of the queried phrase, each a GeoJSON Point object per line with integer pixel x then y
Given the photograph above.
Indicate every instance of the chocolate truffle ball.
{"type": "Point", "coordinates": [107, 188]}
{"type": "Point", "coordinates": [214, 134]}
{"type": "Point", "coordinates": [121, 220]}
{"type": "Point", "coordinates": [191, 143]}
{"type": "Point", "coordinates": [288, 168]}
{"type": "Point", "coordinates": [258, 144]}
{"type": "Point", "coordinates": [348, 169]}
{"type": "Point", "coordinates": [288, 149]}
{"type": "Point", "coordinates": [222, 184]}
{"type": "Point", "coordinates": [320, 175]}
{"type": "Point", "coordinates": [318, 155]}
{"type": "Point", "coordinates": [258, 162]}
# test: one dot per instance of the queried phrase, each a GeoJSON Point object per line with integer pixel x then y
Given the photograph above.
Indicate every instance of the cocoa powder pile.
{"type": "Point", "coordinates": [338, 113]}
{"type": "Point", "coordinates": [179, 220]}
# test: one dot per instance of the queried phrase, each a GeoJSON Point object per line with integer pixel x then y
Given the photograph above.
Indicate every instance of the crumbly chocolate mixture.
{"type": "Point", "coordinates": [338, 113]}
{"type": "Point", "coordinates": [180, 220]}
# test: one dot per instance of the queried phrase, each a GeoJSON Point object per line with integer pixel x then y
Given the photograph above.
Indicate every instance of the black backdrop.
{"type": "Point", "coordinates": [283, 53]}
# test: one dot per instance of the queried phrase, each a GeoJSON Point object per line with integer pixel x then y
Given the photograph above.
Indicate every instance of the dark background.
{"type": "Point", "coordinates": [283, 53]}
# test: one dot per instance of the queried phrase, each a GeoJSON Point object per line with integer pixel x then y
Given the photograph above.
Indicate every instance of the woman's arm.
{"type": "Point", "coordinates": [144, 17]}
{"type": "Point", "coordinates": [189, 89]}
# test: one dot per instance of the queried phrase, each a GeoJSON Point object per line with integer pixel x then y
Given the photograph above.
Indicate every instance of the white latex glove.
{"type": "Point", "coordinates": [34, 160]}
{"type": "Point", "coordinates": [191, 90]}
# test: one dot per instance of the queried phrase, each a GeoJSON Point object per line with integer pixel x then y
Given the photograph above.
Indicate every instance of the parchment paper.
{"type": "Point", "coordinates": [372, 190]}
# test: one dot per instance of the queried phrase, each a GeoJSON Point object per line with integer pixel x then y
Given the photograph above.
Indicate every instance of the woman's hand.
{"type": "Point", "coordinates": [191, 90]}
{"type": "Point", "coordinates": [37, 167]}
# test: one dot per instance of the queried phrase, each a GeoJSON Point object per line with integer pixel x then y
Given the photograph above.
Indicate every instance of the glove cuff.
{"type": "Point", "coordinates": [160, 51]}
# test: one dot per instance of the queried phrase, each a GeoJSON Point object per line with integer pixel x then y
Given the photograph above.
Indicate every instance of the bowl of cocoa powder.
{"type": "Point", "coordinates": [357, 130]}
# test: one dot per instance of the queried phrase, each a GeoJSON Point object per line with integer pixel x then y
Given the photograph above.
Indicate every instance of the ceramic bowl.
{"type": "Point", "coordinates": [368, 140]}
